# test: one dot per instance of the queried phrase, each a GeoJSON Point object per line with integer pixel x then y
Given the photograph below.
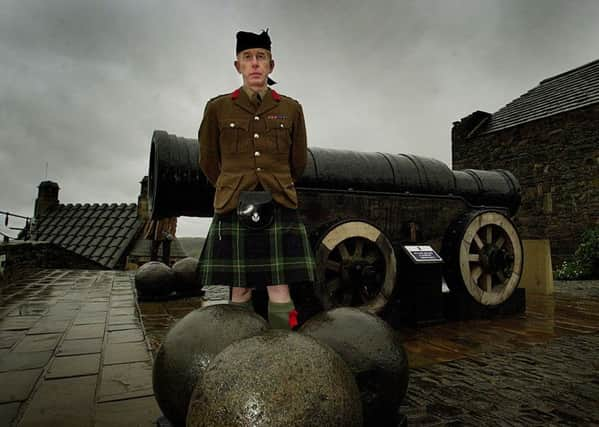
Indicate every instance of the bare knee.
{"type": "Point", "coordinates": [278, 293]}
{"type": "Point", "coordinates": [240, 294]}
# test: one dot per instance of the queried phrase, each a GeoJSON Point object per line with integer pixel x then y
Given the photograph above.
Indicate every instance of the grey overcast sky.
{"type": "Point", "coordinates": [84, 83]}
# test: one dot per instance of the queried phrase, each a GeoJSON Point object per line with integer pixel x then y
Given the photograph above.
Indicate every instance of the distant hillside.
{"type": "Point", "coordinates": [192, 245]}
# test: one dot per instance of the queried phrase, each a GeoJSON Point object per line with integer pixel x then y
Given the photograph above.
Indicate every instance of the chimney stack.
{"type": "Point", "coordinates": [142, 200]}
{"type": "Point", "coordinates": [47, 198]}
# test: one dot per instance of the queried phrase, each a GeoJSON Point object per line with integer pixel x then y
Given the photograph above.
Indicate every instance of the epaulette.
{"type": "Point", "coordinates": [218, 97]}
{"type": "Point", "coordinates": [288, 98]}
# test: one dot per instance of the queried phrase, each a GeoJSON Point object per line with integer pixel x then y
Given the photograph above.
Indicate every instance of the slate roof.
{"type": "Point", "coordinates": [100, 232]}
{"type": "Point", "coordinates": [567, 91]}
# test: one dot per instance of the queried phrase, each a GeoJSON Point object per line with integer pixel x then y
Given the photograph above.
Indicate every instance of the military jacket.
{"type": "Point", "coordinates": [243, 144]}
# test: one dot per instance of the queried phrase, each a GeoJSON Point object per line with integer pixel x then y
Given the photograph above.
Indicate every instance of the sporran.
{"type": "Point", "coordinates": [255, 209]}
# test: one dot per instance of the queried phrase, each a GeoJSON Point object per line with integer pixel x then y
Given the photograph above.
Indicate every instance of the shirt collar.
{"type": "Point", "coordinates": [249, 92]}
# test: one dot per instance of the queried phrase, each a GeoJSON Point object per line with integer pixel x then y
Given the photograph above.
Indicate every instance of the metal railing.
{"type": "Point", "coordinates": [26, 229]}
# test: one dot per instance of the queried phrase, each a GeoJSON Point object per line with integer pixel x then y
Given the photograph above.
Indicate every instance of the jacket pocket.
{"type": "Point", "coordinates": [287, 187]}
{"type": "Point", "coordinates": [280, 131]}
{"type": "Point", "coordinates": [226, 186]}
{"type": "Point", "coordinates": [234, 135]}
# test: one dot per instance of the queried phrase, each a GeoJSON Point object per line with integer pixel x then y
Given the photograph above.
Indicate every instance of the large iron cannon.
{"type": "Point", "coordinates": [359, 208]}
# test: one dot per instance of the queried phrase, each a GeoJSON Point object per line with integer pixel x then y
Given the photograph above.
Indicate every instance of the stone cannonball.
{"type": "Point", "coordinates": [186, 277]}
{"type": "Point", "coordinates": [189, 347]}
{"type": "Point", "coordinates": [154, 279]}
{"type": "Point", "coordinates": [374, 353]}
{"type": "Point", "coordinates": [280, 378]}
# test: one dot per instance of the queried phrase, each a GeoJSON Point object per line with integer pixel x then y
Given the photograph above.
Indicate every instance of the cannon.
{"type": "Point", "coordinates": [359, 208]}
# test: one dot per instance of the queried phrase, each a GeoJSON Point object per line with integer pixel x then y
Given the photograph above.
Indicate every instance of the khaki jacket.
{"type": "Point", "coordinates": [242, 145]}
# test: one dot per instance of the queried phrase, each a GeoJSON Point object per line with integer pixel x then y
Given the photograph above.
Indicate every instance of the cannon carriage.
{"type": "Point", "coordinates": [361, 208]}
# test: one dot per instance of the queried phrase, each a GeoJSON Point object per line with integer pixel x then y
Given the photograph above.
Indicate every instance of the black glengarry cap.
{"type": "Point", "coordinates": [246, 40]}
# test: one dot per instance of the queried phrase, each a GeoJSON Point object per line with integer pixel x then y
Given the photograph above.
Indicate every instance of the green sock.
{"type": "Point", "coordinates": [278, 314]}
{"type": "Point", "coordinates": [247, 304]}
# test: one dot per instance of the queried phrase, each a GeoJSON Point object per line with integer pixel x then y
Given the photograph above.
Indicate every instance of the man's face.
{"type": "Point", "coordinates": [254, 65]}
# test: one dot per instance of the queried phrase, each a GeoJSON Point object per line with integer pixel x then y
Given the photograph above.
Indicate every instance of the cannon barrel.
{"type": "Point", "coordinates": [407, 173]}
{"type": "Point", "coordinates": [177, 186]}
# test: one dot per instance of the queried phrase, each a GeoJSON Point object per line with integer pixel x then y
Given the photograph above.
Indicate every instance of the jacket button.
{"type": "Point", "coordinates": [231, 125]}
{"type": "Point", "coordinates": [257, 153]}
{"type": "Point", "coordinates": [258, 169]}
{"type": "Point", "coordinates": [256, 136]}
{"type": "Point", "coordinates": [256, 118]}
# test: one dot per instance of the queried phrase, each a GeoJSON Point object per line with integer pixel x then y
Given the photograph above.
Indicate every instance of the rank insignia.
{"type": "Point", "coordinates": [277, 117]}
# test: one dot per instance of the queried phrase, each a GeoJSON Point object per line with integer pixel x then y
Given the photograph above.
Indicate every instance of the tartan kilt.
{"type": "Point", "coordinates": [237, 256]}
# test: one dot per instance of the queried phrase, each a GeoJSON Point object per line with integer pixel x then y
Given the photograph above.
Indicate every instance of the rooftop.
{"type": "Point", "coordinates": [100, 232]}
{"type": "Point", "coordinates": [567, 91]}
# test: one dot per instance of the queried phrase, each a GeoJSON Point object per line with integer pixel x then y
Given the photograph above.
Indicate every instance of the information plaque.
{"type": "Point", "coordinates": [422, 254]}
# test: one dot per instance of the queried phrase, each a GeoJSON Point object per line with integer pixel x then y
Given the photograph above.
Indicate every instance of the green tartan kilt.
{"type": "Point", "coordinates": [237, 256]}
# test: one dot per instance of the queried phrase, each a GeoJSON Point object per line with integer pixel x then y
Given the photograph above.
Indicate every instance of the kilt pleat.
{"type": "Point", "coordinates": [237, 256]}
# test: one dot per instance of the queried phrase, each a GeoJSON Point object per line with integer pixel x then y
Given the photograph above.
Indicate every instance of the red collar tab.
{"type": "Point", "coordinates": [235, 94]}
{"type": "Point", "coordinates": [275, 95]}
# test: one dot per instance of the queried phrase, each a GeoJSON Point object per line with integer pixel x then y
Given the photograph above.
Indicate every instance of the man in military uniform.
{"type": "Point", "coordinates": [255, 139]}
{"type": "Point", "coordinates": [161, 232]}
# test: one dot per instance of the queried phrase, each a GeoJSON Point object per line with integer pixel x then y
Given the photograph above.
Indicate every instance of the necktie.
{"type": "Point", "coordinates": [256, 99]}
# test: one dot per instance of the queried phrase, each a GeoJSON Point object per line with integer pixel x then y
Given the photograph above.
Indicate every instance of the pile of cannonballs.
{"type": "Point", "coordinates": [221, 365]}
{"type": "Point", "coordinates": [155, 279]}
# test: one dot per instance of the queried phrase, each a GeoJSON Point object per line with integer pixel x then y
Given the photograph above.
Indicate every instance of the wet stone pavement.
{"type": "Point", "coordinates": [556, 383]}
{"type": "Point", "coordinates": [537, 368]}
{"type": "Point", "coordinates": [73, 352]}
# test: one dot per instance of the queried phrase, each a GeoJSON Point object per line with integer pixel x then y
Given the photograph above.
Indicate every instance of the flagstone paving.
{"type": "Point", "coordinates": [73, 352]}
{"type": "Point", "coordinates": [76, 350]}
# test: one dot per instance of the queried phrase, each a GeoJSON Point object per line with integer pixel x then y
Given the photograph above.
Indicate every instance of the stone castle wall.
{"type": "Point", "coordinates": [556, 160]}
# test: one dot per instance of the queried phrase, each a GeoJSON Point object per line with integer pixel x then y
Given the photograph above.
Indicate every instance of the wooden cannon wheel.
{"type": "Point", "coordinates": [483, 254]}
{"type": "Point", "coordinates": [356, 267]}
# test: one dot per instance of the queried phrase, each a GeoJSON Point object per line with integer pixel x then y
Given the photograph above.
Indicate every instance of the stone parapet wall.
{"type": "Point", "coordinates": [17, 259]}
{"type": "Point", "coordinates": [556, 160]}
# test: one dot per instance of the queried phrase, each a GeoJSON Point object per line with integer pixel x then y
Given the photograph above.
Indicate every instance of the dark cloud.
{"type": "Point", "coordinates": [84, 84]}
